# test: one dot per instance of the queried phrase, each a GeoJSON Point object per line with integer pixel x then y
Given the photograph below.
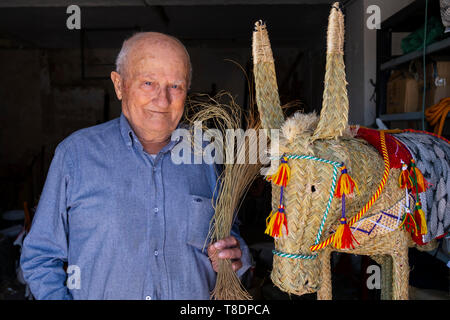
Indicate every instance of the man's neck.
{"type": "Point", "coordinates": [154, 147]}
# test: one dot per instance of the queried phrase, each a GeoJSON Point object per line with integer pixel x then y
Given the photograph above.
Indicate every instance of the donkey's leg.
{"type": "Point", "coordinates": [386, 278]}
{"type": "Point", "coordinates": [325, 291]}
{"type": "Point", "coordinates": [401, 267]}
{"type": "Point", "coordinates": [385, 261]}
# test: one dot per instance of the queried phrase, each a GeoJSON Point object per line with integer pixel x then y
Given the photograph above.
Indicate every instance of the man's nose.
{"type": "Point", "coordinates": [162, 100]}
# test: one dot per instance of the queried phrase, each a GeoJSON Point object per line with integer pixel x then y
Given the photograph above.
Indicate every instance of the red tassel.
{"type": "Point", "coordinates": [345, 185]}
{"type": "Point", "coordinates": [344, 237]}
{"type": "Point", "coordinates": [281, 177]}
{"type": "Point", "coordinates": [276, 224]}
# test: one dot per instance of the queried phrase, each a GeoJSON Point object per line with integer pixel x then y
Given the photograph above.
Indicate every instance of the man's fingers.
{"type": "Point", "coordinates": [236, 265]}
{"type": "Point", "coordinates": [211, 250]}
{"type": "Point", "coordinates": [226, 243]}
{"type": "Point", "coordinates": [233, 253]}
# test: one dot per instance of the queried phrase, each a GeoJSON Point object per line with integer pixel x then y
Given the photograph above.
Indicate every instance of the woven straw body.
{"type": "Point", "coordinates": [306, 198]}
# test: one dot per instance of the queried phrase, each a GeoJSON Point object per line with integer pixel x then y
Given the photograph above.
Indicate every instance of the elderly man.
{"type": "Point", "coordinates": [125, 220]}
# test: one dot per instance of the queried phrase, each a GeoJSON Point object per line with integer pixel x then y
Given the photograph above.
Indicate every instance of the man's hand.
{"type": "Point", "coordinates": [227, 248]}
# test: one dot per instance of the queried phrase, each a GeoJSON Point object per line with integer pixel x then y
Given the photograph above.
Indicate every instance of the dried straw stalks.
{"type": "Point", "coordinates": [233, 182]}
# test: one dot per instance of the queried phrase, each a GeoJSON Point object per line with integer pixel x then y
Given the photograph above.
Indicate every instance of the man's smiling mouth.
{"type": "Point", "coordinates": [159, 112]}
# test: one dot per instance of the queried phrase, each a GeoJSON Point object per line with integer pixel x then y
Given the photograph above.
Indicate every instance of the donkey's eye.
{"type": "Point", "coordinates": [313, 189]}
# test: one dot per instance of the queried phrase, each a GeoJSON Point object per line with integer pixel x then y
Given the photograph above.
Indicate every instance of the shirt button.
{"type": "Point", "coordinates": [148, 298]}
{"type": "Point", "coordinates": [155, 210]}
{"type": "Point", "coordinates": [156, 253]}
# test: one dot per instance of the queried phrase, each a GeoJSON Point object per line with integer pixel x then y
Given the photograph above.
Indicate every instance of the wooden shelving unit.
{"type": "Point", "coordinates": [407, 19]}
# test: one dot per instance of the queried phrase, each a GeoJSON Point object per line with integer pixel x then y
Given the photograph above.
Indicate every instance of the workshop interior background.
{"type": "Point", "coordinates": [54, 81]}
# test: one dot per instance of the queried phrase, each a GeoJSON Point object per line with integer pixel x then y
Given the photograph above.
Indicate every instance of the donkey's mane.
{"type": "Point", "coordinates": [301, 124]}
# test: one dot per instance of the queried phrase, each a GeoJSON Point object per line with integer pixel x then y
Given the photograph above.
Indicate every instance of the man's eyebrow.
{"type": "Point", "coordinates": [152, 75]}
{"type": "Point", "coordinates": [180, 81]}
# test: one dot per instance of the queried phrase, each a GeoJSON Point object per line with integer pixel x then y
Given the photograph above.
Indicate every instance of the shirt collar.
{"type": "Point", "coordinates": [130, 137]}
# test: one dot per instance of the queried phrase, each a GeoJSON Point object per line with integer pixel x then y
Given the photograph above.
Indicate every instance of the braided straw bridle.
{"type": "Point", "coordinates": [320, 245]}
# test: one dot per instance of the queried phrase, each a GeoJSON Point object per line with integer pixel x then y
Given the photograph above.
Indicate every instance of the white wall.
{"type": "Point", "coordinates": [361, 56]}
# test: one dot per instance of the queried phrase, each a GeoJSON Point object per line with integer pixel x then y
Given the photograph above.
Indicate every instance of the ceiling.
{"type": "Point", "coordinates": [113, 3]}
{"type": "Point", "coordinates": [105, 24]}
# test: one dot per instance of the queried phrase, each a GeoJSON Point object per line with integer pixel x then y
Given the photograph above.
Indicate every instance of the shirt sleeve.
{"type": "Point", "coordinates": [246, 257]}
{"type": "Point", "coordinates": [45, 247]}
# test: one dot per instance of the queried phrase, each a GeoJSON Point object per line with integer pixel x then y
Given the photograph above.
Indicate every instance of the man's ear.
{"type": "Point", "coordinates": [117, 81]}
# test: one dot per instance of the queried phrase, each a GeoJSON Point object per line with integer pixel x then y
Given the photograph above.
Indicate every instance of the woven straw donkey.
{"type": "Point", "coordinates": [332, 190]}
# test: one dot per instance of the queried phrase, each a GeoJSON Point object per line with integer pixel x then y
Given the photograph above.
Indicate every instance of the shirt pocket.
{"type": "Point", "coordinates": [200, 215]}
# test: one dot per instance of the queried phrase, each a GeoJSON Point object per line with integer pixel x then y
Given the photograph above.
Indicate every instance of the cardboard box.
{"type": "Point", "coordinates": [402, 93]}
{"type": "Point", "coordinates": [438, 82]}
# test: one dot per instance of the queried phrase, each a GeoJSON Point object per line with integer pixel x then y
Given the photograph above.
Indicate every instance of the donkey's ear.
{"type": "Point", "coordinates": [266, 87]}
{"type": "Point", "coordinates": [334, 115]}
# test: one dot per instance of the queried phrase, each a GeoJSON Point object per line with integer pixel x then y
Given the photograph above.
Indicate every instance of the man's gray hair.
{"type": "Point", "coordinates": [131, 41]}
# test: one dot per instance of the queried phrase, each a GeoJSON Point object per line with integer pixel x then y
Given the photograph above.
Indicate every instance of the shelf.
{"type": "Point", "coordinates": [434, 47]}
{"type": "Point", "coordinates": [411, 17]}
{"type": "Point", "coordinates": [408, 19]}
{"type": "Point", "coordinates": [403, 116]}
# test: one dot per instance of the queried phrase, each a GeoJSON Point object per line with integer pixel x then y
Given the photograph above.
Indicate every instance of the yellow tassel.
{"type": "Point", "coordinates": [281, 177]}
{"type": "Point", "coordinates": [269, 224]}
{"type": "Point", "coordinates": [423, 220]}
{"type": "Point", "coordinates": [345, 184]}
{"type": "Point", "coordinates": [344, 237]}
{"type": "Point", "coordinates": [275, 223]}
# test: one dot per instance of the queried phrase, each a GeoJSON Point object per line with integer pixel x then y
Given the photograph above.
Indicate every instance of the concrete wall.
{"type": "Point", "coordinates": [44, 99]}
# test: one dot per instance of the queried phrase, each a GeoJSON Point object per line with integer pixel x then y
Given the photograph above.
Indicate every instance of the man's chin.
{"type": "Point", "coordinates": [158, 126]}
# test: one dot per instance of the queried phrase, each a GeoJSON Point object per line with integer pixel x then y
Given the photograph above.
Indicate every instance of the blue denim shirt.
{"type": "Point", "coordinates": [134, 227]}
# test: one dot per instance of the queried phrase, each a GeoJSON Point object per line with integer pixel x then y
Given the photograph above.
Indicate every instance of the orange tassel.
{"type": "Point", "coordinates": [345, 185]}
{"type": "Point", "coordinates": [422, 184]}
{"type": "Point", "coordinates": [281, 177]}
{"type": "Point", "coordinates": [276, 224]}
{"type": "Point", "coordinates": [344, 237]}
{"type": "Point", "coordinates": [404, 180]}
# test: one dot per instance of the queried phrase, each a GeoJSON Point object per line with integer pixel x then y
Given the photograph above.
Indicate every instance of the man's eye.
{"type": "Point", "coordinates": [148, 83]}
{"type": "Point", "coordinates": [175, 86]}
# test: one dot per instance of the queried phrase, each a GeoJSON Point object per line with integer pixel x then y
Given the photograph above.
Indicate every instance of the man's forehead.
{"type": "Point", "coordinates": [152, 75]}
{"type": "Point", "coordinates": [163, 44]}
{"type": "Point", "coordinates": [154, 53]}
